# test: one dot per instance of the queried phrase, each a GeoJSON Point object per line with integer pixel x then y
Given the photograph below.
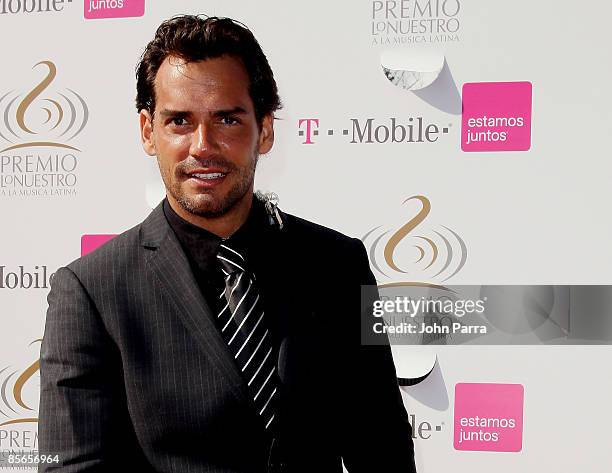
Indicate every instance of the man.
{"type": "Point", "coordinates": [220, 334]}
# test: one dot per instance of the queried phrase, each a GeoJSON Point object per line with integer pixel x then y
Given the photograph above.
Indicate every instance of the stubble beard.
{"type": "Point", "coordinates": [208, 204]}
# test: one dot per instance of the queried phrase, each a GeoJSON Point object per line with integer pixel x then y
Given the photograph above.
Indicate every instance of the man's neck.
{"type": "Point", "coordinates": [223, 226]}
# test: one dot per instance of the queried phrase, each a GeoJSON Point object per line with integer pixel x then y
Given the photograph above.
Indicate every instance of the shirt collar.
{"type": "Point", "coordinates": [201, 246]}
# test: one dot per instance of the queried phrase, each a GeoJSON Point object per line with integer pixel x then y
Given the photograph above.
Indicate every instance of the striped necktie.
{"type": "Point", "coordinates": [244, 329]}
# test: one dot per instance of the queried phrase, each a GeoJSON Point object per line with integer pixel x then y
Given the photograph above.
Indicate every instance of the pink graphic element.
{"type": "Point", "coordinates": [489, 417]}
{"type": "Point", "coordinates": [309, 122]}
{"type": "Point", "coordinates": [95, 9]}
{"type": "Point", "coordinates": [90, 243]}
{"type": "Point", "coordinates": [496, 116]}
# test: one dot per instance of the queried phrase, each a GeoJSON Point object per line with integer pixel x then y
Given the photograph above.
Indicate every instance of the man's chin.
{"type": "Point", "coordinates": [206, 205]}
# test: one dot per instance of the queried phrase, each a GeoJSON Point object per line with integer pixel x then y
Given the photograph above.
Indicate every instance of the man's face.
{"type": "Point", "coordinates": [205, 134]}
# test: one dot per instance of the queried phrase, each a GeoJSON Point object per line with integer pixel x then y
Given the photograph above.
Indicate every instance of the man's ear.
{"type": "Point", "coordinates": [266, 135]}
{"type": "Point", "coordinates": [146, 132]}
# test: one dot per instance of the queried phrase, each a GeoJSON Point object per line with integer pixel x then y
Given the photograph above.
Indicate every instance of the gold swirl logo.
{"type": "Point", "coordinates": [37, 119]}
{"type": "Point", "coordinates": [13, 405]}
{"type": "Point", "coordinates": [438, 254]}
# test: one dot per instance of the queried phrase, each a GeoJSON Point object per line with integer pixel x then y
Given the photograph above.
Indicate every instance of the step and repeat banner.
{"type": "Point", "coordinates": [464, 141]}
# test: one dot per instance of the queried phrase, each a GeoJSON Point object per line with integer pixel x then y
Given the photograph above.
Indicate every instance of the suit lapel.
{"type": "Point", "coordinates": [169, 263]}
{"type": "Point", "coordinates": [280, 282]}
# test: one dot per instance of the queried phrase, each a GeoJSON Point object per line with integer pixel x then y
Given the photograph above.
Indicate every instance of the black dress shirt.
{"type": "Point", "coordinates": [201, 247]}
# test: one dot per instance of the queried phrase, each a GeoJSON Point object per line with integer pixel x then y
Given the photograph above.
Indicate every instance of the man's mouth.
{"type": "Point", "coordinates": [209, 175]}
{"type": "Point", "coordinates": [207, 178]}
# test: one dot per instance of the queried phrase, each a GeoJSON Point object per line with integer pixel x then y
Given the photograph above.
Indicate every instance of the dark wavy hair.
{"type": "Point", "coordinates": [196, 38]}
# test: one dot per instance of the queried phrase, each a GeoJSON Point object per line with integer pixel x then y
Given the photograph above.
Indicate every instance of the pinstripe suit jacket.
{"type": "Point", "coordinates": [134, 371]}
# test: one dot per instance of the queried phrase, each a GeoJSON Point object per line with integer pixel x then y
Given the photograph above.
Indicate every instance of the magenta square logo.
{"type": "Point", "coordinates": [95, 9]}
{"type": "Point", "coordinates": [90, 243]}
{"type": "Point", "coordinates": [489, 417]}
{"type": "Point", "coordinates": [496, 116]}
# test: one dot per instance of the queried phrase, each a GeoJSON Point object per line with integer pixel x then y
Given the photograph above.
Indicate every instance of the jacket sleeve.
{"type": "Point", "coordinates": [80, 395]}
{"type": "Point", "coordinates": [378, 435]}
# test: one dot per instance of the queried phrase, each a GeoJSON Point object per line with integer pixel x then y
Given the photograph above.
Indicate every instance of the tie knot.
{"type": "Point", "coordinates": [230, 260]}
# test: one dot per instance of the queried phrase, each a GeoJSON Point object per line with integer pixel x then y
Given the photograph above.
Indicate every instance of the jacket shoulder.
{"type": "Point", "coordinates": [321, 240]}
{"type": "Point", "coordinates": [118, 252]}
{"type": "Point", "coordinates": [306, 229]}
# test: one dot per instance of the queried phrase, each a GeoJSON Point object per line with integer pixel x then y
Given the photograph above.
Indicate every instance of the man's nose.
{"type": "Point", "coordinates": [203, 141]}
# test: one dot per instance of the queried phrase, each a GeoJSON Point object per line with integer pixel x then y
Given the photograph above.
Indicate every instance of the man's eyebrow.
{"type": "Point", "coordinates": [223, 112]}
{"type": "Point", "coordinates": [230, 111]}
{"type": "Point", "coordinates": [172, 113]}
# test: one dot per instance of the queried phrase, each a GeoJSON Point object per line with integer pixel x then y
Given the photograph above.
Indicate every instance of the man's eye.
{"type": "Point", "coordinates": [179, 121]}
{"type": "Point", "coordinates": [229, 120]}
